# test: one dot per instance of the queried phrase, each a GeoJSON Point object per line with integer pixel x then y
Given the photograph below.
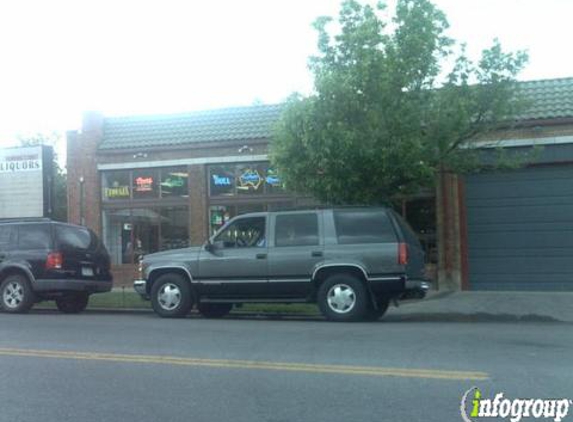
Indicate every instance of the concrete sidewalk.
{"type": "Point", "coordinates": [495, 306]}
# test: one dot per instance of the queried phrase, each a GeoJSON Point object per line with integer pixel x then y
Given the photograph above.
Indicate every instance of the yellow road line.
{"type": "Point", "coordinates": [247, 364]}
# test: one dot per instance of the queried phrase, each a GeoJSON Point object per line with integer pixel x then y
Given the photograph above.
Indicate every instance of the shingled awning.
{"type": "Point", "coordinates": [227, 124]}
{"type": "Point", "coordinates": [547, 99]}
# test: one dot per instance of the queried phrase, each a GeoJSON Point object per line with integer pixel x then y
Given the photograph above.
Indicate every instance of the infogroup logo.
{"type": "Point", "coordinates": [474, 407]}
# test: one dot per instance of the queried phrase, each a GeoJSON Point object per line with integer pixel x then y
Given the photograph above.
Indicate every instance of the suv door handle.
{"type": "Point", "coordinates": [316, 254]}
{"type": "Point", "coordinates": [261, 256]}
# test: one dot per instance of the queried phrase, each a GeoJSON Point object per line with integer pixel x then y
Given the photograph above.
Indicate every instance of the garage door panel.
{"type": "Point", "coordinates": [553, 226]}
{"type": "Point", "coordinates": [521, 240]}
{"type": "Point", "coordinates": [535, 285]}
{"type": "Point", "coordinates": [520, 229]}
{"type": "Point", "coordinates": [521, 252]}
{"type": "Point", "coordinates": [549, 201]}
{"type": "Point", "coordinates": [519, 214]}
{"type": "Point", "coordinates": [529, 265]}
{"type": "Point", "coordinates": [540, 189]}
{"type": "Point", "coordinates": [522, 175]}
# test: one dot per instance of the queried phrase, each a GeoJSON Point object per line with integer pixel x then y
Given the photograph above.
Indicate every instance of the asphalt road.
{"type": "Point", "coordinates": [138, 367]}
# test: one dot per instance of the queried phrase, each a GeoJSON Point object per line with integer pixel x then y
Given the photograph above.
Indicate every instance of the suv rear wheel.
{"type": "Point", "coordinates": [343, 297]}
{"type": "Point", "coordinates": [73, 303]}
{"type": "Point", "coordinates": [16, 295]}
{"type": "Point", "coordinates": [171, 296]}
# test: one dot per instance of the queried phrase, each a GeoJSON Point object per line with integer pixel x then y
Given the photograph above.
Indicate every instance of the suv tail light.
{"type": "Point", "coordinates": [402, 254]}
{"type": "Point", "coordinates": [54, 261]}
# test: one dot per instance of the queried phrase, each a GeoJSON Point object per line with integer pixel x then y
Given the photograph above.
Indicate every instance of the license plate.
{"type": "Point", "coordinates": [87, 272]}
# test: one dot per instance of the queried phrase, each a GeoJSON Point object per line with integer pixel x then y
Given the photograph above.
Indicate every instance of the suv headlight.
{"type": "Point", "coordinates": [141, 266]}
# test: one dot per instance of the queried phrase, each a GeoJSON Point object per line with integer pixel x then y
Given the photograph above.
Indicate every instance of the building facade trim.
{"type": "Point", "coordinates": [553, 140]}
{"type": "Point", "coordinates": [184, 161]}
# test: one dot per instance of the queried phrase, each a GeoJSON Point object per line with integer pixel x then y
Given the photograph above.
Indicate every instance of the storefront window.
{"type": "Point", "coordinates": [174, 183]}
{"type": "Point", "coordinates": [115, 185]}
{"type": "Point", "coordinates": [145, 232]}
{"type": "Point", "coordinates": [222, 180]}
{"type": "Point", "coordinates": [218, 216]}
{"type": "Point", "coordinates": [135, 230]}
{"type": "Point", "coordinates": [273, 183]}
{"type": "Point", "coordinates": [174, 228]}
{"type": "Point", "coordinates": [244, 179]}
{"type": "Point", "coordinates": [145, 184]}
{"type": "Point", "coordinates": [117, 234]}
{"type": "Point", "coordinates": [131, 233]}
{"type": "Point", "coordinates": [250, 179]}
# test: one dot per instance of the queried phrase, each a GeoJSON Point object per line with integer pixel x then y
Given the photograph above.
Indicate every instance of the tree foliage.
{"type": "Point", "coordinates": [386, 116]}
{"type": "Point", "coordinates": [60, 192]}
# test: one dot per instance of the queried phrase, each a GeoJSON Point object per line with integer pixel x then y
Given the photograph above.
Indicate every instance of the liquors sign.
{"type": "Point", "coordinates": [25, 182]}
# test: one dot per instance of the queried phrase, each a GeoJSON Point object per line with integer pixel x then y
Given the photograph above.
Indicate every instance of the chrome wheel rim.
{"type": "Point", "coordinates": [341, 298]}
{"type": "Point", "coordinates": [169, 296]}
{"type": "Point", "coordinates": [13, 295]}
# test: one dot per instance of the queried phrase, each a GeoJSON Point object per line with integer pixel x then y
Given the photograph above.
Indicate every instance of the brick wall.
{"type": "Point", "coordinates": [198, 227]}
{"type": "Point", "coordinates": [82, 170]}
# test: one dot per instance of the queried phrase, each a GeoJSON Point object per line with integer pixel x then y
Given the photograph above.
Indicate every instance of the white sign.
{"type": "Point", "coordinates": [22, 192]}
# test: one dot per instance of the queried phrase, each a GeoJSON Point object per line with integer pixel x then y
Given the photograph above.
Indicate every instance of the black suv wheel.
{"type": "Point", "coordinates": [343, 297]}
{"type": "Point", "coordinates": [73, 303]}
{"type": "Point", "coordinates": [171, 296]}
{"type": "Point", "coordinates": [16, 295]}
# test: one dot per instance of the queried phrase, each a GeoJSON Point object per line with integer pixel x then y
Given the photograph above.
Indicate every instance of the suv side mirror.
{"type": "Point", "coordinates": [213, 246]}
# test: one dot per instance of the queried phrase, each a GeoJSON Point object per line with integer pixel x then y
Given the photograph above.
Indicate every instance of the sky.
{"type": "Point", "coordinates": [123, 57]}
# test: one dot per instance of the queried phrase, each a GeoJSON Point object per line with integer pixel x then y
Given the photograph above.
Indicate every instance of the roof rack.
{"type": "Point", "coordinates": [322, 207]}
{"type": "Point", "coordinates": [24, 219]}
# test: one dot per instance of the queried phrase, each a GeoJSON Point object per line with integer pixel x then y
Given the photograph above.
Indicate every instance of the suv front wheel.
{"type": "Point", "coordinates": [16, 295]}
{"type": "Point", "coordinates": [171, 296]}
{"type": "Point", "coordinates": [343, 297]}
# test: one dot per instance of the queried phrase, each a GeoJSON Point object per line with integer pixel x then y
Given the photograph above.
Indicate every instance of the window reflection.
{"type": "Point", "coordinates": [174, 183]}
{"type": "Point", "coordinates": [132, 232]}
{"type": "Point", "coordinates": [174, 228]}
{"type": "Point", "coordinates": [244, 179]}
{"type": "Point", "coordinates": [116, 185]}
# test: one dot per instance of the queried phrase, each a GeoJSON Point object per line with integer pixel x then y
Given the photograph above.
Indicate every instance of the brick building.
{"type": "Point", "coordinates": [150, 183]}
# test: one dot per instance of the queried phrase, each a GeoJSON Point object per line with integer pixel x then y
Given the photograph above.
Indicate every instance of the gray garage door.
{"type": "Point", "coordinates": [520, 229]}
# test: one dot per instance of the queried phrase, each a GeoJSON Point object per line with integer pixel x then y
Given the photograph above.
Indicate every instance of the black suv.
{"type": "Point", "coordinates": [42, 259]}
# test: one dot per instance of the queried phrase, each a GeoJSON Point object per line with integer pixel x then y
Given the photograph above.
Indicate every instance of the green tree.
{"type": "Point", "coordinates": [387, 117]}
{"type": "Point", "coordinates": [60, 192]}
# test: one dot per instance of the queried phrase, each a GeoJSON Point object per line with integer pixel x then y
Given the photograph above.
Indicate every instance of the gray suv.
{"type": "Point", "coordinates": [352, 262]}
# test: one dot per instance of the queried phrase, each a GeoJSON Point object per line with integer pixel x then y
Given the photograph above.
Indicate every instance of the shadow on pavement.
{"type": "Point", "coordinates": [480, 317]}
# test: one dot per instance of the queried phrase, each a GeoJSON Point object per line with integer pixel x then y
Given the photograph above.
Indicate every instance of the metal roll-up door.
{"type": "Point", "coordinates": [520, 229]}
